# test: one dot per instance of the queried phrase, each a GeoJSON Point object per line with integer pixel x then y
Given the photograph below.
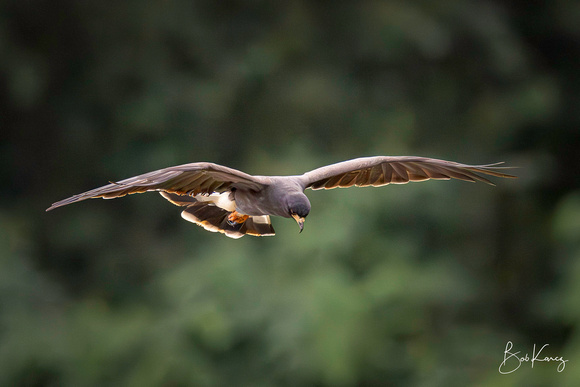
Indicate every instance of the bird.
{"type": "Point", "coordinates": [234, 203]}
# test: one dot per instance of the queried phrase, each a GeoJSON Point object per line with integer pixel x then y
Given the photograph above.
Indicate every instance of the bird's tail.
{"type": "Point", "coordinates": [213, 218]}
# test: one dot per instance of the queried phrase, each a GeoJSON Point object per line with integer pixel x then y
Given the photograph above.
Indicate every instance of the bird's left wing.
{"type": "Point", "coordinates": [187, 179]}
{"type": "Point", "coordinates": [383, 170]}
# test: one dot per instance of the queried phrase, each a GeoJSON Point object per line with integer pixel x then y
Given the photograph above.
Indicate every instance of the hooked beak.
{"type": "Point", "coordinates": [299, 220]}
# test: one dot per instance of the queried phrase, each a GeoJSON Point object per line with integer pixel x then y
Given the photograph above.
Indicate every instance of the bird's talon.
{"type": "Point", "coordinates": [236, 218]}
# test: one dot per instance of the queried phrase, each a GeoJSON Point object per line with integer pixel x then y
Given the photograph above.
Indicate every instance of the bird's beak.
{"type": "Point", "coordinates": [299, 220]}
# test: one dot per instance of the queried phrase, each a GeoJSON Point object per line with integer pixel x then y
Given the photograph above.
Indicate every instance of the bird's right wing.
{"type": "Point", "coordinates": [187, 179]}
{"type": "Point", "coordinates": [383, 170]}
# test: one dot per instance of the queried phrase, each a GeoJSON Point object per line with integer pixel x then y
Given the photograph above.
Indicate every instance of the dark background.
{"type": "Point", "coordinates": [418, 284]}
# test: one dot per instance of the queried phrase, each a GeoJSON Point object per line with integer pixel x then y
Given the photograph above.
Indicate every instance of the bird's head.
{"type": "Point", "coordinates": [299, 208]}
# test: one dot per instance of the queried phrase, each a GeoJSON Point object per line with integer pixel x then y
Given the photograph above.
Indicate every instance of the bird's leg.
{"type": "Point", "coordinates": [236, 218]}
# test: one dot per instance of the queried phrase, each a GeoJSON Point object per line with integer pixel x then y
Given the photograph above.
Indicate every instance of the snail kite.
{"type": "Point", "coordinates": [222, 199]}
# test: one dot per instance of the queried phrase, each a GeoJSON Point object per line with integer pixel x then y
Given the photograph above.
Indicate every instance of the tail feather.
{"type": "Point", "coordinates": [215, 219]}
{"type": "Point", "coordinates": [258, 226]}
{"type": "Point", "coordinates": [212, 218]}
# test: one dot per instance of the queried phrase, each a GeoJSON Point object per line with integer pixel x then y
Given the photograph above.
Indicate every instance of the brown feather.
{"type": "Point", "coordinates": [215, 219]}
{"type": "Point", "coordinates": [383, 170]}
{"type": "Point", "coordinates": [191, 179]}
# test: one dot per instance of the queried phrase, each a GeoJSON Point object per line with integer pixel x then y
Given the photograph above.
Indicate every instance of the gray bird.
{"type": "Point", "coordinates": [222, 199]}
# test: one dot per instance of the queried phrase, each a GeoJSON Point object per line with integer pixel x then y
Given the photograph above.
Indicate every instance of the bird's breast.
{"type": "Point", "coordinates": [259, 203]}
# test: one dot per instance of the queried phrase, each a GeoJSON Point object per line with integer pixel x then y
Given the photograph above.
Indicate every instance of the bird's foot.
{"type": "Point", "coordinates": [237, 218]}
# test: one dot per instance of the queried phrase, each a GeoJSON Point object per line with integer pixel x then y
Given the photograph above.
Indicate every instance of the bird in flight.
{"type": "Point", "coordinates": [222, 199]}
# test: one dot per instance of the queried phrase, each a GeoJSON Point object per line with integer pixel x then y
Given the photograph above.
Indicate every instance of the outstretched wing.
{"type": "Point", "coordinates": [383, 170]}
{"type": "Point", "coordinates": [187, 179]}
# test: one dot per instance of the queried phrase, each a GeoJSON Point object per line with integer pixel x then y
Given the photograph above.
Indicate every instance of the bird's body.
{"type": "Point", "coordinates": [265, 201]}
{"type": "Point", "coordinates": [229, 201]}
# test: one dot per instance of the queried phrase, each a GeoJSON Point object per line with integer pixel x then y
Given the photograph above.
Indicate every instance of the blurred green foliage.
{"type": "Point", "coordinates": [419, 285]}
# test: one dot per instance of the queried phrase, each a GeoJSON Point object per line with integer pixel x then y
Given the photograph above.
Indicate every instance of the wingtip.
{"type": "Point", "coordinates": [492, 170]}
{"type": "Point", "coordinates": [55, 206]}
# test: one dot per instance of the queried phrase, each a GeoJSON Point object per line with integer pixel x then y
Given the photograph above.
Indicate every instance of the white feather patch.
{"type": "Point", "coordinates": [262, 219]}
{"type": "Point", "coordinates": [222, 200]}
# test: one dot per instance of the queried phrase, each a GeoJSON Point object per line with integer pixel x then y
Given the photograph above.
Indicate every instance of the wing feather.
{"type": "Point", "coordinates": [376, 177]}
{"type": "Point", "coordinates": [383, 170]}
{"type": "Point", "coordinates": [187, 179]}
{"type": "Point", "coordinates": [362, 178]}
{"type": "Point", "coordinates": [347, 180]}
